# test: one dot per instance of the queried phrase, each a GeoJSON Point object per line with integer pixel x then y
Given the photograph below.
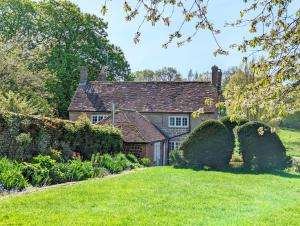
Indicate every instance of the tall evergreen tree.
{"type": "Point", "coordinates": [190, 75]}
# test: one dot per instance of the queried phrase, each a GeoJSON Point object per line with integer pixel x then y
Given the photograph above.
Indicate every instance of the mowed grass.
{"type": "Point", "coordinates": [291, 140]}
{"type": "Point", "coordinates": [162, 196]}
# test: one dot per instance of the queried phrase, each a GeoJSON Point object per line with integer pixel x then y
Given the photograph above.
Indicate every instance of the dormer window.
{"type": "Point", "coordinates": [178, 121]}
{"type": "Point", "coordinates": [97, 118]}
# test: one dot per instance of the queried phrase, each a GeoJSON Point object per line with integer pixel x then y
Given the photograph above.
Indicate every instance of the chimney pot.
{"type": "Point", "coordinates": [216, 78]}
{"type": "Point", "coordinates": [214, 75]}
{"type": "Point", "coordinates": [103, 74]}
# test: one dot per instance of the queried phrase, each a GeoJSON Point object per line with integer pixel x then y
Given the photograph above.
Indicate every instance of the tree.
{"type": "Point", "coordinates": [242, 89]}
{"type": "Point", "coordinates": [234, 86]}
{"type": "Point", "coordinates": [196, 76]}
{"type": "Point", "coordinates": [14, 102]}
{"type": "Point", "coordinates": [190, 75]}
{"type": "Point", "coordinates": [21, 86]}
{"type": "Point", "coordinates": [168, 74]}
{"type": "Point", "coordinates": [275, 28]}
{"type": "Point", "coordinates": [69, 39]}
{"type": "Point", "coordinates": [204, 77]}
{"type": "Point", "coordinates": [144, 76]}
{"type": "Point", "coordinates": [164, 74]}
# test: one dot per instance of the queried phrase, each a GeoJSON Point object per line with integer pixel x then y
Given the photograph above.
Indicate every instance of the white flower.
{"type": "Point", "coordinates": [261, 131]}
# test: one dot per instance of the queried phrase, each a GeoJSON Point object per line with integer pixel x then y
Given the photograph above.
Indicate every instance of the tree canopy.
{"type": "Point", "coordinates": [275, 33]}
{"type": "Point", "coordinates": [165, 74]}
{"type": "Point", "coordinates": [67, 39]}
{"type": "Point", "coordinates": [20, 87]}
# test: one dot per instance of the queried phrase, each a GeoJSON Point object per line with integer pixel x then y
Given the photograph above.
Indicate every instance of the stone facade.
{"type": "Point", "coordinates": [161, 121]}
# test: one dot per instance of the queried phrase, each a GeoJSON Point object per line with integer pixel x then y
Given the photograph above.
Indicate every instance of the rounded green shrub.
{"type": "Point", "coordinates": [209, 144]}
{"type": "Point", "coordinates": [260, 148]}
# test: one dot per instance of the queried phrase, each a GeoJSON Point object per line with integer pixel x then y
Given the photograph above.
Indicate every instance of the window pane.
{"type": "Point", "coordinates": [94, 119]}
{"type": "Point", "coordinates": [172, 146]}
{"type": "Point", "coordinates": [172, 121]}
{"type": "Point", "coordinates": [184, 121]}
{"type": "Point", "coordinates": [178, 121]}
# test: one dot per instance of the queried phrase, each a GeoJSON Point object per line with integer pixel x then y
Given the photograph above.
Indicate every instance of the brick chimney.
{"type": "Point", "coordinates": [83, 76]}
{"type": "Point", "coordinates": [216, 78]}
{"type": "Point", "coordinates": [103, 74]}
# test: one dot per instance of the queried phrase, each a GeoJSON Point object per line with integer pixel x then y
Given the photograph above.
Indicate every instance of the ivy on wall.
{"type": "Point", "coordinates": [22, 137]}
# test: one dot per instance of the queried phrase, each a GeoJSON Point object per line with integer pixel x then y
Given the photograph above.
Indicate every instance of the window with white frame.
{"type": "Point", "coordinates": [179, 121]}
{"type": "Point", "coordinates": [98, 118]}
{"type": "Point", "coordinates": [173, 145]}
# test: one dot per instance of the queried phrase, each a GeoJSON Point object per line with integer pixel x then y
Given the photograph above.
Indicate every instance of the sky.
{"type": "Point", "coordinates": [148, 54]}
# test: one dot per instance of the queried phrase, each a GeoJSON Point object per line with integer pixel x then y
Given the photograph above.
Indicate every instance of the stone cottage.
{"type": "Point", "coordinates": [154, 117]}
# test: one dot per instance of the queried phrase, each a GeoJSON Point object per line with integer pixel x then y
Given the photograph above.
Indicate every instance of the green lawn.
{"type": "Point", "coordinates": [291, 140]}
{"type": "Point", "coordinates": [162, 196]}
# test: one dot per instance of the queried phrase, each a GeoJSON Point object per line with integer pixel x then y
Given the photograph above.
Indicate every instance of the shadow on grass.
{"type": "Point", "coordinates": [242, 170]}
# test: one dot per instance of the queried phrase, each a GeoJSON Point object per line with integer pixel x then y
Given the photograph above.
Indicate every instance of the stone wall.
{"type": "Point", "coordinates": [138, 149]}
{"type": "Point", "coordinates": [160, 120]}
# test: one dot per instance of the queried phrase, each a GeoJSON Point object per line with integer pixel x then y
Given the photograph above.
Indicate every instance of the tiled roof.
{"type": "Point", "coordinates": [145, 96]}
{"type": "Point", "coordinates": [135, 127]}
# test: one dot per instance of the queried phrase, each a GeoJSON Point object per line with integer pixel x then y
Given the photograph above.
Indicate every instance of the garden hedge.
{"type": "Point", "coordinates": [260, 148]}
{"type": "Point", "coordinates": [22, 137]}
{"type": "Point", "coordinates": [209, 144]}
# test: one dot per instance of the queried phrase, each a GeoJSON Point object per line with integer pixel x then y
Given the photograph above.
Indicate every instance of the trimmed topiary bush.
{"type": "Point", "coordinates": [260, 148]}
{"type": "Point", "coordinates": [231, 124]}
{"type": "Point", "coordinates": [209, 144]}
